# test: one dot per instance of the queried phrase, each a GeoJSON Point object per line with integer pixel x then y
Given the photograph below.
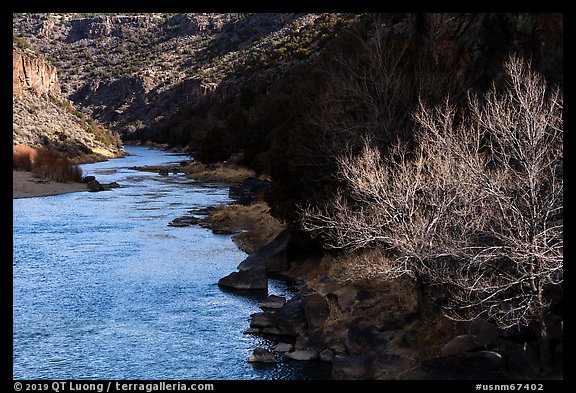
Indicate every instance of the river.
{"type": "Point", "coordinates": [105, 289]}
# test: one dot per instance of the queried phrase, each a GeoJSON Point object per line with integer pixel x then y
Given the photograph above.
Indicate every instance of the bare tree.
{"type": "Point", "coordinates": [373, 84]}
{"type": "Point", "coordinates": [521, 183]}
{"type": "Point", "coordinates": [475, 207]}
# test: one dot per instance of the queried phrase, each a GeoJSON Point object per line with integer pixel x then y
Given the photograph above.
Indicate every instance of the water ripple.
{"type": "Point", "coordinates": [103, 289]}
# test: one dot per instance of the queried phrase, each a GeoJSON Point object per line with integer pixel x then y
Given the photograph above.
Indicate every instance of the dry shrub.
{"type": "Point", "coordinates": [361, 271]}
{"type": "Point", "coordinates": [474, 208]}
{"type": "Point", "coordinates": [23, 157]}
{"type": "Point", "coordinates": [229, 171]}
{"type": "Point", "coordinates": [432, 333]}
{"type": "Point", "coordinates": [54, 166]}
{"type": "Point", "coordinates": [253, 225]}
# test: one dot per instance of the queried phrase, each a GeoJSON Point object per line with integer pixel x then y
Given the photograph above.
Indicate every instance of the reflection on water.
{"type": "Point", "coordinates": [105, 289]}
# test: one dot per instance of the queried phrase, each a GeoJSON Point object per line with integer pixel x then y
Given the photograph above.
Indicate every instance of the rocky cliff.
{"type": "Point", "coordinates": [34, 73]}
{"type": "Point", "coordinates": [42, 117]}
{"type": "Point", "coordinates": [131, 71]}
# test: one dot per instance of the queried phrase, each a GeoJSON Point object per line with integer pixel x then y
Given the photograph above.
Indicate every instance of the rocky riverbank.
{"type": "Point", "coordinates": [373, 329]}
{"type": "Point", "coordinates": [229, 171]}
{"type": "Point", "coordinates": [366, 329]}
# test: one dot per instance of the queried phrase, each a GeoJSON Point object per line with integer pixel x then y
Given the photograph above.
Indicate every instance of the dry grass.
{"type": "Point", "coordinates": [392, 298]}
{"type": "Point", "coordinates": [336, 319]}
{"type": "Point", "coordinates": [22, 157]}
{"type": "Point", "coordinates": [432, 334]}
{"type": "Point", "coordinates": [45, 164]}
{"type": "Point", "coordinates": [252, 224]}
{"type": "Point", "coordinates": [360, 270]}
{"type": "Point", "coordinates": [230, 172]}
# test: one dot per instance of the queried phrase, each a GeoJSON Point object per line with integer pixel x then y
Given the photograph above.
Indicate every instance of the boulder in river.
{"type": "Point", "coordinates": [283, 347]}
{"type": "Point", "coordinates": [248, 279]}
{"type": "Point", "coordinates": [262, 355]}
{"type": "Point", "coordinates": [184, 221]}
{"type": "Point", "coordinates": [273, 302]}
{"type": "Point", "coordinates": [273, 255]}
{"type": "Point", "coordinates": [302, 354]}
{"type": "Point", "coordinates": [94, 186]}
{"type": "Point", "coordinates": [286, 321]}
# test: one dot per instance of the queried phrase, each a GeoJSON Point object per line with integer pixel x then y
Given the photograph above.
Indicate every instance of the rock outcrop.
{"type": "Point", "coordinates": [42, 117]}
{"type": "Point", "coordinates": [262, 355]}
{"type": "Point", "coordinates": [273, 256]}
{"type": "Point", "coordinates": [33, 72]}
{"type": "Point", "coordinates": [254, 279]}
{"type": "Point", "coordinates": [193, 54]}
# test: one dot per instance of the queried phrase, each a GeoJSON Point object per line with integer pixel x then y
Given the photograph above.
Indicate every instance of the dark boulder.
{"type": "Point", "coordinates": [484, 331]}
{"type": "Point", "coordinates": [249, 190]}
{"type": "Point", "coordinates": [273, 302]}
{"type": "Point", "coordinates": [247, 279]}
{"type": "Point", "coordinates": [310, 341]}
{"type": "Point", "coordinates": [316, 310]}
{"type": "Point", "coordinates": [262, 319]}
{"type": "Point", "coordinates": [362, 334]}
{"type": "Point", "coordinates": [184, 221]}
{"type": "Point", "coordinates": [88, 179]}
{"type": "Point", "coordinates": [326, 355]}
{"type": "Point", "coordinates": [462, 343]}
{"type": "Point", "coordinates": [273, 255]}
{"type": "Point", "coordinates": [302, 354]}
{"type": "Point", "coordinates": [352, 367]}
{"type": "Point", "coordinates": [262, 355]}
{"type": "Point", "coordinates": [481, 365]}
{"type": "Point", "coordinates": [286, 321]}
{"type": "Point", "coordinates": [283, 347]}
{"type": "Point", "coordinates": [94, 186]}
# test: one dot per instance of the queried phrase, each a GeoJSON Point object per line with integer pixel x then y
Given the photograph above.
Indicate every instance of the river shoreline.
{"type": "Point", "coordinates": [100, 275]}
{"type": "Point", "coordinates": [25, 185]}
{"type": "Point", "coordinates": [367, 329]}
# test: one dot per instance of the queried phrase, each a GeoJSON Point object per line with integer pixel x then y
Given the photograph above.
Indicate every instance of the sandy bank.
{"type": "Point", "coordinates": [24, 185]}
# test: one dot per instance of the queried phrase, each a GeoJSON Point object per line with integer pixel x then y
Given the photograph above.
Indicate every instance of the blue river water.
{"type": "Point", "coordinates": [105, 289]}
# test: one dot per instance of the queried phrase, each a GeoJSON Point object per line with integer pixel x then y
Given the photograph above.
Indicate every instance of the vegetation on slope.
{"type": "Point", "coordinates": [368, 144]}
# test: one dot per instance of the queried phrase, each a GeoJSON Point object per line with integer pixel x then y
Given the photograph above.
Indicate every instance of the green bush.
{"type": "Point", "coordinates": [21, 43]}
